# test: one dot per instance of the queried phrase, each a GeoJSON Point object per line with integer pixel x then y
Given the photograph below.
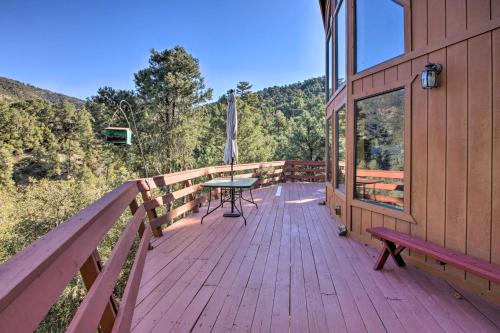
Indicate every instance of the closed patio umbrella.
{"type": "Point", "coordinates": [231, 148]}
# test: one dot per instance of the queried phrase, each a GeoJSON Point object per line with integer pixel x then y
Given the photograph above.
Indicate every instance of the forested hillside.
{"type": "Point", "coordinates": [12, 90]}
{"type": "Point", "coordinates": [53, 161]}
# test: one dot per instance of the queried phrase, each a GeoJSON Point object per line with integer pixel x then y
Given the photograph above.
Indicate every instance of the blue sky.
{"type": "Point", "coordinates": [76, 46]}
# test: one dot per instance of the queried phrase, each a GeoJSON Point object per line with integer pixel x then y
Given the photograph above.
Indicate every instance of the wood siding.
{"type": "Point", "coordinates": [454, 133]}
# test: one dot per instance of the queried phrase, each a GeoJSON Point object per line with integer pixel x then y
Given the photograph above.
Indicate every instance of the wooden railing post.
{"type": "Point", "coordinates": [259, 173]}
{"type": "Point", "coordinates": [151, 213]}
{"type": "Point", "coordinates": [271, 174]}
{"type": "Point", "coordinates": [133, 208]}
{"type": "Point", "coordinates": [89, 271]}
{"type": "Point", "coordinates": [216, 192]}
{"type": "Point", "coordinates": [192, 196]}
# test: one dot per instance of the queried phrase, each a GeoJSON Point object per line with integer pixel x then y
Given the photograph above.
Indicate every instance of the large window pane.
{"type": "Point", "coordinates": [340, 46]}
{"type": "Point", "coordinates": [380, 149]}
{"type": "Point", "coordinates": [340, 148]}
{"type": "Point", "coordinates": [329, 77]}
{"type": "Point", "coordinates": [329, 136]}
{"type": "Point", "coordinates": [379, 32]}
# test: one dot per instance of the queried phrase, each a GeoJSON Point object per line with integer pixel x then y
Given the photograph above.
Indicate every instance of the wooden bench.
{"type": "Point", "coordinates": [443, 255]}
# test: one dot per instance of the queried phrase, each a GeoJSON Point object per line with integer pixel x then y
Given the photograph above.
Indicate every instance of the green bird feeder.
{"type": "Point", "coordinates": [118, 135]}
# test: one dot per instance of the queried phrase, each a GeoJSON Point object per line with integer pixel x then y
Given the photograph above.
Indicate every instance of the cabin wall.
{"type": "Point", "coordinates": [452, 144]}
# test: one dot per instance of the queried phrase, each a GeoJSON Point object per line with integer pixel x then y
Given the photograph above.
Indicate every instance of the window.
{"type": "Point", "coordinates": [329, 141]}
{"type": "Point", "coordinates": [340, 160]}
{"type": "Point", "coordinates": [379, 32]}
{"type": "Point", "coordinates": [379, 149]}
{"type": "Point", "coordinates": [340, 46]}
{"type": "Point", "coordinates": [329, 78]}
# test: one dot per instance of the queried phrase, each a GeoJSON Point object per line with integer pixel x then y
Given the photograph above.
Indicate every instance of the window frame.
{"type": "Point", "coordinates": [335, 45]}
{"type": "Point", "coordinates": [329, 130]}
{"type": "Point", "coordinates": [334, 117]}
{"type": "Point", "coordinates": [405, 212]}
{"type": "Point", "coordinates": [331, 52]}
{"type": "Point", "coordinates": [329, 93]}
{"type": "Point", "coordinates": [406, 32]}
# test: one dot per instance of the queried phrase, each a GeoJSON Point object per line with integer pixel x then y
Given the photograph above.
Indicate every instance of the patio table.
{"type": "Point", "coordinates": [366, 181]}
{"type": "Point", "coordinates": [230, 190]}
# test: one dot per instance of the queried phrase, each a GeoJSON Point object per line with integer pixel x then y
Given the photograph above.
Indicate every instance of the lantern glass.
{"type": "Point", "coordinates": [429, 76]}
{"type": "Point", "coordinates": [423, 79]}
{"type": "Point", "coordinates": [429, 79]}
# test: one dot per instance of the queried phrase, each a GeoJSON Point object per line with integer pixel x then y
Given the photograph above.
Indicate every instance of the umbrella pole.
{"type": "Point", "coordinates": [232, 163]}
{"type": "Point", "coordinates": [232, 188]}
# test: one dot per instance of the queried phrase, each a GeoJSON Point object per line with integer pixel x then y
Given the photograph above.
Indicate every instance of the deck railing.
{"type": "Point", "coordinates": [32, 280]}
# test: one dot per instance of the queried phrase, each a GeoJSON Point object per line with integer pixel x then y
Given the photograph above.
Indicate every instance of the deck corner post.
{"type": "Point", "coordinates": [151, 213]}
{"type": "Point", "coordinates": [89, 272]}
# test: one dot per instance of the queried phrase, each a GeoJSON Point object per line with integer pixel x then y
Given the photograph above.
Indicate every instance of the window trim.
{"type": "Point", "coordinates": [405, 212]}
{"type": "Point", "coordinates": [329, 156]}
{"type": "Point", "coordinates": [406, 32]}
{"type": "Point", "coordinates": [335, 48]}
{"type": "Point", "coordinates": [334, 90]}
{"type": "Point", "coordinates": [335, 148]}
{"type": "Point", "coordinates": [329, 93]}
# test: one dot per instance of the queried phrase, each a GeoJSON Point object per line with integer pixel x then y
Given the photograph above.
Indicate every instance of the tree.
{"type": "Point", "coordinates": [243, 88]}
{"type": "Point", "coordinates": [169, 89]}
{"type": "Point", "coordinates": [47, 140]}
{"type": "Point", "coordinates": [6, 165]}
{"type": "Point", "coordinates": [306, 135]}
{"type": "Point", "coordinates": [172, 83]}
{"type": "Point", "coordinates": [255, 142]}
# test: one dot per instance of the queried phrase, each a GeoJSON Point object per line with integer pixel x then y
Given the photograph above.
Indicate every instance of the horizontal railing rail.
{"type": "Point", "coordinates": [311, 171]}
{"type": "Point", "coordinates": [32, 280]}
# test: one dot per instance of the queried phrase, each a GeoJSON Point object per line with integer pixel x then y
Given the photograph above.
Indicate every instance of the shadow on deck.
{"type": "Point", "coordinates": [287, 270]}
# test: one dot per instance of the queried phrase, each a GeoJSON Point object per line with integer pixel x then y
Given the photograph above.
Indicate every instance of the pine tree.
{"type": "Point", "coordinates": [243, 88]}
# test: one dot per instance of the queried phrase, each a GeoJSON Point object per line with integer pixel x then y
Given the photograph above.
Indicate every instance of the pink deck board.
{"type": "Point", "coordinates": [287, 270]}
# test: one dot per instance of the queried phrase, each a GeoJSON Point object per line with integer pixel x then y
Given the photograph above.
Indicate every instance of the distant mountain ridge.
{"type": "Point", "coordinates": [12, 90]}
{"type": "Point", "coordinates": [277, 97]}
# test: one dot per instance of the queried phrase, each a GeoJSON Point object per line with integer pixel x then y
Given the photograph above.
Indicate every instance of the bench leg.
{"type": "Point", "coordinates": [382, 258]}
{"type": "Point", "coordinates": [389, 249]}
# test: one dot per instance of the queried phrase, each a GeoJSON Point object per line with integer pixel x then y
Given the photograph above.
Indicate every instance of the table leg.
{"type": "Point", "coordinates": [251, 201]}
{"type": "Point", "coordinates": [241, 207]}
{"type": "Point", "coordinates": [232, 200]}
{"type": "Point", "coordinates": [208, 208]}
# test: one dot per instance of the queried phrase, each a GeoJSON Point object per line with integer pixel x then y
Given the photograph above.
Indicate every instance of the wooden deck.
{"type": "Point", "coordinates": [287, 270]}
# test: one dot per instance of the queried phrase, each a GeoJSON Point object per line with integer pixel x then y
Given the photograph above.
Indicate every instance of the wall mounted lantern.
{"type": "Point", "coordinates": [429, 76]}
